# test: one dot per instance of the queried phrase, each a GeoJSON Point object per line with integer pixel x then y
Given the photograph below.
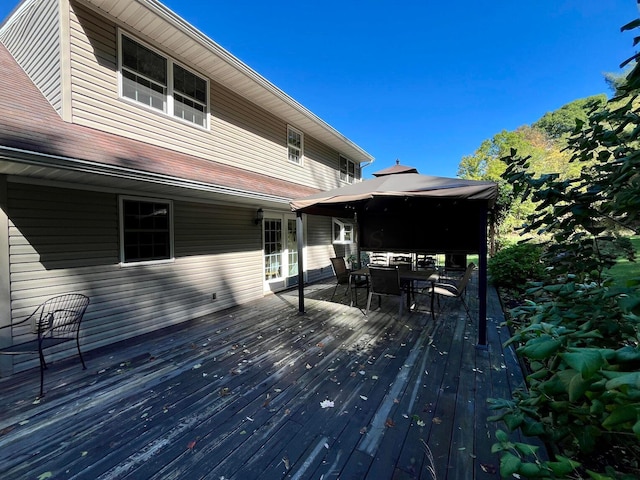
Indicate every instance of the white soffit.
{"type": "Point", "coordinates": [159, 24]}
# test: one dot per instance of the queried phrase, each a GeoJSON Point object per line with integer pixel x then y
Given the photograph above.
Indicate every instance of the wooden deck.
{"type": "Point", "coordinates": [240, 394]}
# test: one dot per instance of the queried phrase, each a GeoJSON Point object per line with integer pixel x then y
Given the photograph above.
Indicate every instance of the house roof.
{"type": "Point", "coordinates": [160, 25]}
{"type": "Point", "coordinates": [36, 142]}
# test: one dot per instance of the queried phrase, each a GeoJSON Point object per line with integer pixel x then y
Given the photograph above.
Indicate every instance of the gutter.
{"type": "Point", "coordinates": [95, 168]}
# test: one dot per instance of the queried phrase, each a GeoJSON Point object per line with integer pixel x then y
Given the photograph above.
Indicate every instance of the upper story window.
{"type": "Point", "coordinates": [348, 171]}
{"type": "Point", "coordinates": [158, 82]}
{"type": "Point", "coordinates": [295, 143]}
{"type": "Point", "coordinates": [145, 230]}
{"type": "Point", "coordinates": [342, 231]}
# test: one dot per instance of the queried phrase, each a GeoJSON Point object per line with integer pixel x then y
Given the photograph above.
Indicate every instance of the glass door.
{"type": "Point", "coordinates": [280, 251]}
{"type": "Point", "coordinates": [292, 252]}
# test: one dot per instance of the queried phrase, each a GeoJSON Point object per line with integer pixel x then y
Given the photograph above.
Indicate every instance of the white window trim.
{"type": "Point", "coordinates": [121, 199]}
{"type": "Point", "coordinates": [299, 132]}
{"type": "Point", "coordinates": [169, 104]}
{"type": "Point", "coordinates": [339, 226]}
{"type": "Point", "coordinates": [355, 170]}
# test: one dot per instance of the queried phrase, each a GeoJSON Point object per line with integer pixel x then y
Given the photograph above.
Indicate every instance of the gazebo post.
{"type": "Point", "coordinates": [300, 239]}
{"type": "Point", "coordinates": [482, 277]}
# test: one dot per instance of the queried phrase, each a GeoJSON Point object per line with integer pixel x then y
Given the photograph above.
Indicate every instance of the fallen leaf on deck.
{"type": "Point", "coordinates": [363, 430]}
{"type": "Point", "coordinates": [250, 419]}
{"type": "Point", "coordinates": [309, 367]}
{"type": "Point", "coordinates": [374, 377]}
{"type": "Point", "coordinates": [224, 392]}
{"type": "Point", "coordinates": [84, 454]}
{"type": "Point", "coordinates": [24, 422]}
{"type": "Point", "coordinates": [4, 431]}
{"type": "Point", "coordinates": [389, 423]}
{"type": "Point", "coordinates": [488, 468]}
{"type": "Point", "coordinates": [196, 366]}
{"type": "Point", "coordinates": [36, 401]}
{"type": "Point", "coordinates": [320, 344]}
{"type": "Point", "coordinates": [353, 374]}
{"type": "Point", "coordinates": [437, 420]}
{"type": "Point", "coordinates": [363, 397]}
{"type": "Point", "coordinates": [326, 445]}
{"type": "Point", "coordinates": [191, 445]}
{"type": "Point", "coordinates": [44, 475]}
{"type": "Point", "coordinates": [267, 400]}
{"type": "Point", "coordinates": [395, 400]}
{"type": "Point", "coordinates": [285, 460]}
{"type": "Point", "coordinates": [326, 404]}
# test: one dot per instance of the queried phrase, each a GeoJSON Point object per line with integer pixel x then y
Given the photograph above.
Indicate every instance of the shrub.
{"type": "Point", "coordinates": [516, 265]}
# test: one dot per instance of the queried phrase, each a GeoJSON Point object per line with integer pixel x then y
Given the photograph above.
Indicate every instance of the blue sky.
{"type": "Point", "coordinates": [422, 81]}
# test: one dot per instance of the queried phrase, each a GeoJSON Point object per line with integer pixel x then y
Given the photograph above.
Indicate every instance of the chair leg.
{"type": "Point", "coordinates": [368, 303]}
{"type": "Point", "coordinates": [334, 292]}
{"type": "Point", "coordinates": [42, 367]}
{"type": "Point", "coordinates": [84, 367]}
{"type": "Point", "coordinates": [433, 315]}
{"type": "Point", "coordinates": [466, 308]}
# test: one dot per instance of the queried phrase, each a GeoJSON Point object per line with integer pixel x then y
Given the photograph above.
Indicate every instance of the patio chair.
{"type": "Point", "coordinates": [54, 322]}
{"type": "Point", "coordinates": [343, 277]}
{"type": "Point", "coordinates": [385, 281]}
{"type": "Point", "coordinates": [450, 290]}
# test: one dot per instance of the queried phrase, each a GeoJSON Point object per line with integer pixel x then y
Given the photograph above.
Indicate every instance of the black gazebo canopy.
{"type": "Point", "coordinates": [401, 210]}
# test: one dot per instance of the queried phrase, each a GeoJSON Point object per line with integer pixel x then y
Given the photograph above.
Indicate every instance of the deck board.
{"type": "Point", "coordinates": [237, 395]}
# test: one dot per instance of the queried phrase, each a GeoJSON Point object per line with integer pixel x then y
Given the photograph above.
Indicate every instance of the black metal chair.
{"type": "Point", "coordinates": [385, 281]}
{"type": "Point", "coordinates": [344, 277]}
{"type": "Point", "coordinates": [451, 291]}
{"type": "Point", "coordinates": [54, 322]}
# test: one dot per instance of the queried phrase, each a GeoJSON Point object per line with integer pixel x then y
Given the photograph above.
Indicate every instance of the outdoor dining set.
{"type": "Point", "coordinates": [401, 276]}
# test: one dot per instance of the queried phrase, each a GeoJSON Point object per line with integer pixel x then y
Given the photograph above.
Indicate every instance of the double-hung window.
{"type": "Point", "coordinates": [348, 170]}
{"type": "Point", "coordinates": [145, 230]}
{"type": "Point", "coordinates": [295, 145]}
{"type": "Point", "coordinates": [160, 83]}
{"type": "Point", "coordinates": [342, 231]}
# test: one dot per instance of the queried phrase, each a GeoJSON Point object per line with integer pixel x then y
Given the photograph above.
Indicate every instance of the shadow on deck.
{"type": "Point", "coordinates": [259, 391]}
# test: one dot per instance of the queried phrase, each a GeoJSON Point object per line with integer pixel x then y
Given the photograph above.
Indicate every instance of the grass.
{"type": "Point", "coordinates": [625, 270]}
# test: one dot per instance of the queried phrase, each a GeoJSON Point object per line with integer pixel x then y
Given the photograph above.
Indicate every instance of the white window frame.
{"type": "Point", "coordinates": [290, 146]}
{"type": "Point", "coordinates": [342, 232]}
{"type": "Point", "coordinates": [344, 172]}
{"type": "Point", "coordinates": [169, 97]}
{"type": "Point", "coordinates": [169, 204]}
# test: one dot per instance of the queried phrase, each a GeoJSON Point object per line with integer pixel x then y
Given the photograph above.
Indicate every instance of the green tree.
{"type": "Point", "coordinates": [563, 121]}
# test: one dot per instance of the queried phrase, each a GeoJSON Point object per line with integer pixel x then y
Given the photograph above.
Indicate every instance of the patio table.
{"type": "Point", "coordinates": [409, 276]}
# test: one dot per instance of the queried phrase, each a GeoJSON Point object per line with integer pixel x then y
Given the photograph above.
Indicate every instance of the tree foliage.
{"type": "Point", "coordinates": [562, 122]}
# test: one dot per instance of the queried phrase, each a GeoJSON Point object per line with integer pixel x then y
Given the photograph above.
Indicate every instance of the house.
{"type": "Point", "coordinates": [145, 166]}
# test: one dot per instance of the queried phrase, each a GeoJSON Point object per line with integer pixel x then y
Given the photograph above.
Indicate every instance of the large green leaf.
{"type": "Point", "coordinates": [578, 386]}
{"type": "Point", "coordinates": [541, 347]}
{"type": "Point", "coordinates": [587, 361]}
{"type": "Point", "coordinates": [631, 379]}
{"type": "Point", "coordinates": [621, 414]}
{"type": "Point", "coordinates": [509, 464]}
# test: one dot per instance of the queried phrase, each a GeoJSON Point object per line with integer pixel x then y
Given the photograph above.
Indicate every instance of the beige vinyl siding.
{"type": "Point", "coordinates": [240, 133]}
{"type": "Point", "coordinates": [319, 248]}
{"type": "Point", "coordinates": [33, 38]}
{"type": "Point", "coordinates": [63, 240]}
